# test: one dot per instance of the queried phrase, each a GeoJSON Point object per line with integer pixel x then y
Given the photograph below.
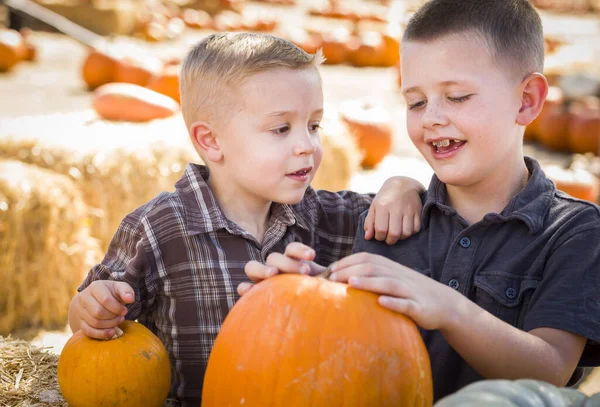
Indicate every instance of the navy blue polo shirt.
{"type": "Point", "coordinates": [535, 264]}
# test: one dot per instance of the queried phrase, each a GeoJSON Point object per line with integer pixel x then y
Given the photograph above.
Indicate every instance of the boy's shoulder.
{"type": "Point", "coordinates": [317, 203]}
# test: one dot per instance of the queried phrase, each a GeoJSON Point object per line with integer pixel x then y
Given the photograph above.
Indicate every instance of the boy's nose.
{"type": "Point", "coordinates": [433, 116]}
{"type": "Point", "coordinates": [306, 144]}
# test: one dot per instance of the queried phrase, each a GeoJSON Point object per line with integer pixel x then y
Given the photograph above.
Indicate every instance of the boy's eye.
{"type": "Point", "coordinates": [280, 130]}
{"type": "Point", "coordinates": [315, 127]}
{"type": "Point", "coordinates": [460, 99]}
{"type": "Point", "coordinates": [416, 105]}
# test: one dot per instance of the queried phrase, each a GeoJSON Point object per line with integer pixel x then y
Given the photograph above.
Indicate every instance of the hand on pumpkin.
{"type": "Point", "coordinates": [98, 309]}
{"type": "Point", "coordinates": [427, 302]}
{"type": "Point", "coordinates": [395, 213]}
{"type": "Point", "coordinates": [297, 258]}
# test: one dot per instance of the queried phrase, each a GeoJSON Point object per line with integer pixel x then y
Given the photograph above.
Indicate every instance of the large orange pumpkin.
{"type": "Point", "coordinates": [584, 126]}
{"type": "Point", "coordinates": [335, 46]}
{"type": "Point", "coordinates": [296, 340]}
{"type": "Point", "coordinates": [367, 49]}
{"type": "Point", "coordinates": [370, 124]}
{"type": "Point", "coordinates": [133, 103]}
{"type": "Point", "coordinates": [137, 69]}
{"type": "Point", "coordinates": [132, 370]}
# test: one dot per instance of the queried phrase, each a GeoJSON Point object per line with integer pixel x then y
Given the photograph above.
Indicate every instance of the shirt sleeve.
{"type": "Point", "coordinates": [127, 260]}
{"type": "Point", "coordinates": [568, 295]}
{"type": "Point", "coordinates": [338, 222]}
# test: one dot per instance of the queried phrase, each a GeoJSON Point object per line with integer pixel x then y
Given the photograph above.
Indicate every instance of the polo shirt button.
{"type": "Point", "coordinates": [510, 293]}
{"type": "Point", "coordinates": [465, 242]}
{"type": "Point", "coordinates": [454, 284]}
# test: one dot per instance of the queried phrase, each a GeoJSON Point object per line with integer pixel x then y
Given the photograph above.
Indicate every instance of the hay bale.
{"type": "Point", "coordinates": [118, 166]}
{"type": "Point", "coordinates": [28, 375]}
{"type": "Point", "coordinates": [45, 246]}
{"type": "Point", "coordinates": [341, 157]}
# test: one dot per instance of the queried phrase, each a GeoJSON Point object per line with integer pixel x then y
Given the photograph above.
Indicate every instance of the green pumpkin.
{"type": "Point", "coordinates": [517, 393]}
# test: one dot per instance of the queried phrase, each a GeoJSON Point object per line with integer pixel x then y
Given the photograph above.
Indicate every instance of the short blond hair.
{"type": "Point", "coordinates": [217, 64]}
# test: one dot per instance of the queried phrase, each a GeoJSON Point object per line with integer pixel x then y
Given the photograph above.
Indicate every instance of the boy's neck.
{"type": "Point", "coordinates": [473, 202]}
{"type": "Point", "coordinates": [249, 213]}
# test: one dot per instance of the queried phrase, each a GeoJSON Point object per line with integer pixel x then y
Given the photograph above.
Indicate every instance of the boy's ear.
{"type": "Point", "coordinates": [203, 137]}
{"type": "Point", "coordinates": [534, 90]}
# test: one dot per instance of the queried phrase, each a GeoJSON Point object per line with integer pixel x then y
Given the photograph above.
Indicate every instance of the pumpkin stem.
{"type": "Point", "coordinates": [325, 274]}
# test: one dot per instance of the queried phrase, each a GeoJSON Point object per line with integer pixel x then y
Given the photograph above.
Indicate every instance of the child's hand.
{"type": "Point", "coordinates": [396, 211]}
{"type": "Point", "coordinates": [427, 302]}
{"type": "Point", "coordinates": [99, 308]}
{"type": "Point", "coordinates": [296, 259]}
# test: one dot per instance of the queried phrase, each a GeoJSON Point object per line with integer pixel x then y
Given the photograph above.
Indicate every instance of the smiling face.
{"type": "Point", "coordinates": [461, 109]}
{"type": "Point", "coordinates": [271, 147]}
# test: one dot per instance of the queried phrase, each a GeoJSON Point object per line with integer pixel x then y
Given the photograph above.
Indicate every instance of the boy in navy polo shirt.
{"type": "Point", "coordinates": [503, 277]}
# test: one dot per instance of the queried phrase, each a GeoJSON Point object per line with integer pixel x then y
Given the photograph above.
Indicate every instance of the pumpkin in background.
{"type": "Point", "coordinates": [137, 69]}
{"type": "Point", "coordinates": [371, 126]}
{"type": "Point", "coordinates": [584, 126]}
{"type": "Point", "coordinates": [99, 68]}
{"type": "Point", "coordinates": [12, 49]}
{"type": "Point", "coordinates": [522, 393]}
{"type": "Point", "coordinates": [577, 182]}
{"type": "Point", "coordinates": [131, 370]}
{"type": "Point", "coordinates": [392, 50]}
{"type": "Point", "coordinates": [132, 103]}
{"type": "Point", "coordinates": [367, 49]}
{"type": "Point", "coordinates": [197, 19]}
{"type": "Point", "coordinates": [296, 340]}
{"type": "Point", "coordinates": [335, 46]}
{"type": "Point", "coordinates": [167, 83]}
{"type": "Point", "coordinates": [309, 42]}
{"type": "Point", "coordinates": [553, 122]}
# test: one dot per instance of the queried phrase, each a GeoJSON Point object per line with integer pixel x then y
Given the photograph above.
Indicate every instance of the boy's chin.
{"type": "Point", "coordinates": [290, 198]}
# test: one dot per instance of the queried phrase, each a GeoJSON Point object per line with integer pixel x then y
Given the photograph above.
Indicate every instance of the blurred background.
{"type": "Point", "coordinates": [77, 153]}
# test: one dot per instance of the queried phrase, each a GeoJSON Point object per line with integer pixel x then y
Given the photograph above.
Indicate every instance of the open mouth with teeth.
{"type": "Point", "coordinates": [443, 146]}
{"type": "Point", "coordinates": [301, 173]}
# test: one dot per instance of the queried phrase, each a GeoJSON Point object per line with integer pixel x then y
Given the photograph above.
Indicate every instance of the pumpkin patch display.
{"type": "Point", "coordinates": [130, 370]}
{"type": "Point", "coordinates": [133, 103]}
{"type": "Point", "coordinates": [296, 340]}
{"type": "Point", "coordinates": [371, 126]}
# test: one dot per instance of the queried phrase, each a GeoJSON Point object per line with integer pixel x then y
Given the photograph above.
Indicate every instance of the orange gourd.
{"type": "Point", "coordinates": [132, 370]}
{"type": "Point", "coordinates": [296, 340]}
{"type": "Point", "coordinates": [370, 124]}
{"type": "Point", "coordinates": [133, 103]}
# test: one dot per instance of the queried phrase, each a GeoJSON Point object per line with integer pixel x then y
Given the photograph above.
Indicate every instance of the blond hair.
{"type": "Point", "coordinates": [222, 61]}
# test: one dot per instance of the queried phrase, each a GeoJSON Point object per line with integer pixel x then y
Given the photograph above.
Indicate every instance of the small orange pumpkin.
{"type": "Point", "coordinates": [370, 124]}
{"type": "Point", "coordinates": [367, 49]}
{"type": "Point", "coordinates": [296, 340]}
{"type": "Point", "coordinates": [553, 122]}
{"type": "Point", "coordinates": [335, 46]}
{"type": "Point", "coordinates": [133, 103]}
{"type": "Point", "coordinates": [584, 126]}
{"type": "Point", "coordinates": [579, 183]}
{"type": "Point", "coordinates": [137, 69]}
{"type": "Point", "coordinates": [98, 68]}
{"type": "Point", "coordinates": [12, 49]}
{"type": "Point", "coordinates": [131, 370]}
{"type": "Point", "coordinates": [167, 83]}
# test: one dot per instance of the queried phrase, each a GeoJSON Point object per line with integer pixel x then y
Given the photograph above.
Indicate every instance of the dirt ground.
{"type": "Point", "coordinates": [53, 84]}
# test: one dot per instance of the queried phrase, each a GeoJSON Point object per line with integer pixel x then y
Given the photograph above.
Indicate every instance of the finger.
{"type": "Point", "coordinates": [359, 270]}
{"type": "Point", "coordinates": [257, 271]}
{"type": "Point", "coordinates": [369, 225]}
{"type": "Point", "coordinates": [394, 230]}
{"type": "Point", "coordinates": [407, 227]}
{"type": "Point", "coordinates": [403, 306]}
{"type": "Point", "coordinates": [96, 333]}
{"type": "Point", "coordinates": [361, 258]}
{"type": "Point", "coordinates": [123, 292]}
{"type": "Point", "coordinates": [243, 288]}
{"type": "Point", "coordinates": [384, 285]}
{"type": "Point", "coordinates": [382, 220]}
{"type": "Point", "coordinates": [299, 251]}
{"type": "Point", "coordinates": [102, 323]}
{"type": "Point", "coordinates": [286, 264]}
{"type": "Point", "coordinates": [417, 222]}
{"type": "Point", "coordinates": [102, 305]}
